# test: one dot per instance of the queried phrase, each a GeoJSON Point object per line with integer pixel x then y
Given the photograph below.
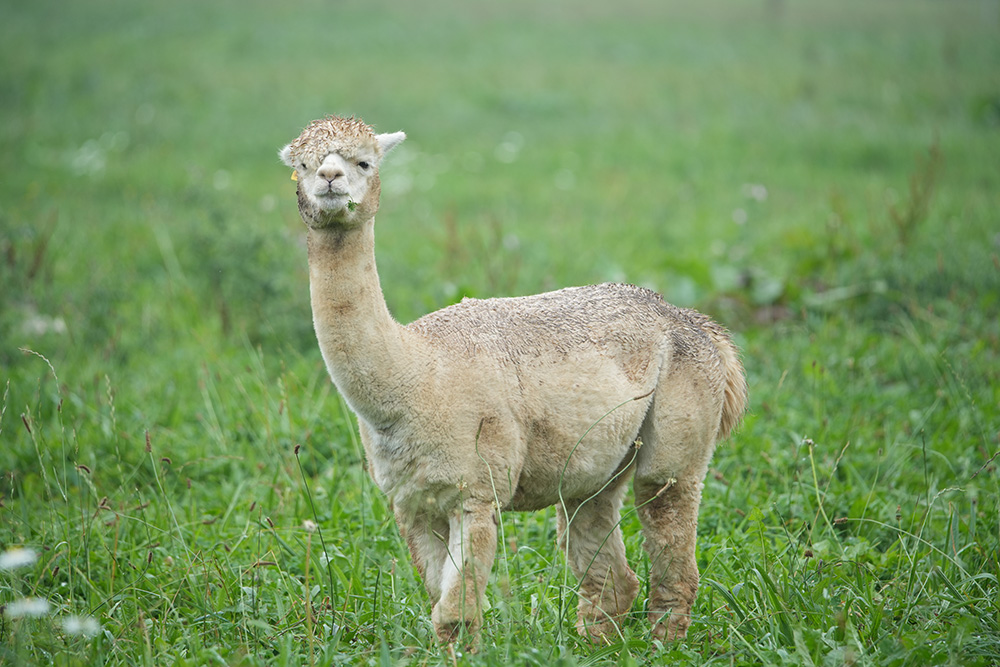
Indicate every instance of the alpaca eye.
{"type": "Point", "coordinates": [363, 164]}
{"type": "Point", "coordinates": [302, 164]}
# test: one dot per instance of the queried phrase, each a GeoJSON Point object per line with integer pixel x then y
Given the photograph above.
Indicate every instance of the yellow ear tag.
{"type": "Point", "coordinates": [295, 175]}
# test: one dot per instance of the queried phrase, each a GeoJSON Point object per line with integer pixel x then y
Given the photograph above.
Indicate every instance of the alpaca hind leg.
{"type": "Point", "coordinates": [679, 436]}
{"type": "Point", "coordinates": [669, 516]}
{"type": "Point", "coordinates": [591, 539]}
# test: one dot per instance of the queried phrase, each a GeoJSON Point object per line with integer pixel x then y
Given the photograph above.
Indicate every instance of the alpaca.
{"type": "Point", "coordinates": [516, 404]}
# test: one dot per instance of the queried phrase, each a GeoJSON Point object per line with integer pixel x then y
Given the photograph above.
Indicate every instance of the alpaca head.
{"type": "Point", "coordinates": [336, 163]}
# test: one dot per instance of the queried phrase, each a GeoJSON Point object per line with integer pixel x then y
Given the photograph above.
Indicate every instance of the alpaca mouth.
{"type": "Point", "coordinates": [332, 199]}
{"type": "Point", "coordinates": [332, 194]}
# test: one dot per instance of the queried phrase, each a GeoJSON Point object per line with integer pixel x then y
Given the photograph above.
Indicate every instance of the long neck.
{"type": "Point", "coordinates": [366, 351]}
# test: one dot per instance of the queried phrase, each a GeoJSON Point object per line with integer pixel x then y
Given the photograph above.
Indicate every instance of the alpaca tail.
{"type": "Point", "coordinates": [735, 401]}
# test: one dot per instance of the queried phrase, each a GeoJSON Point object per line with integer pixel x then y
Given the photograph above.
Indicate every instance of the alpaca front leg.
{"type": "Point", "coordinates": [428, 544]}
{"type": "Point", "coordinates": [472, 543]}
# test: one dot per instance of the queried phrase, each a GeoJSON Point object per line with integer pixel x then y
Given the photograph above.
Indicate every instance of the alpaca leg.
{"type": "Point", "coordinates": [679, 437]}
{"type": "Point", "coordinates": [472, 543]}
{"type": "Point", "coordinates": [428, 544]}
{"type": "Point", "coordinates": [669, 515]}
{"type": "Point", "coordinates": [591, 539]}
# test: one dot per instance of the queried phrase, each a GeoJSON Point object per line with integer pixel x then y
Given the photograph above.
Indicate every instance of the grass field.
{"type": "Point", "coordinates": [823, 178]}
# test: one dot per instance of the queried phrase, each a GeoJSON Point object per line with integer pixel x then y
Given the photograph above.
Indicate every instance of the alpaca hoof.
{"type": "Point", "coordinates": [601, 631]}
{"type": "Point", "coordinates": [454, 631]}
{"type": "Point", "coordinates": [675, 628]}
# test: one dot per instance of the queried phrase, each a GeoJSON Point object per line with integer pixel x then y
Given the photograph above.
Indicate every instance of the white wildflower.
{"type": "Point", "coordinates": [15, 558]}
{"type": "Point", "coordinates": [83, 626]}
{"type": "Point", "coordinates": [309, 525]}
{"type": "Point", "coordinates": [222, 179]}
{"type": "Point", "coordinates": [268, 203]}
{"type": "Point", "coordinates": [37, 325]}
{"type": "Point", "coordinates": [27, 608]}
{"type": "Point", "coordinates": [755, 191]}
{"type": "Point", "coordinates": [507, 150]}
{"type": "Point", "coordinates": [565, 179]}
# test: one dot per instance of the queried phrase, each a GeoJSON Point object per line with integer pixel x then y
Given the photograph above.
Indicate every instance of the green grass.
{"type": "Point", "coordinates": [820, 177]}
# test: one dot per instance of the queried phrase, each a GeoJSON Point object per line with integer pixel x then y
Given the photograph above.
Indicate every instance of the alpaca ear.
{"type": "Point", "coordinates": [389, 141]}
{"type": "Point", "coordinates": [286, 156]}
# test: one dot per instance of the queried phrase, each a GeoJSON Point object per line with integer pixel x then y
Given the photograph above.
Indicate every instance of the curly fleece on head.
{"type": "Point", "coordinates": [330, 134]}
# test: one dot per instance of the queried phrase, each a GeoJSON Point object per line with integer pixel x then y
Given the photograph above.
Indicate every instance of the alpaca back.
{"type": "Point", "coordinates": [629, 325]}
{"type": "Point", "coordinates": [609, 317]}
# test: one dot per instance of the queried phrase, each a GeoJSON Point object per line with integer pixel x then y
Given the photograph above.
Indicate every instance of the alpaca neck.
{"type": "Point", "coordinates": [363, 346]}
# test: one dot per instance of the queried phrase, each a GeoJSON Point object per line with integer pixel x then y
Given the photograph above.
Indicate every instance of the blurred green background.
{"type": "Point", "coordinates": [692, 149]}
{"type": "Point", "coordinates": [823, 178]}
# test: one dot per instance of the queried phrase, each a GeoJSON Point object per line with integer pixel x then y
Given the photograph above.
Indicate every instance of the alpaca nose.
{"type": "Point", "coordinates": [330, 173]}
